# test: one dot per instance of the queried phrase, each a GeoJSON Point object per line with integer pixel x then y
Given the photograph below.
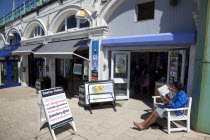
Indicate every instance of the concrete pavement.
{"type": "Point", "coordinates": [19, 112]}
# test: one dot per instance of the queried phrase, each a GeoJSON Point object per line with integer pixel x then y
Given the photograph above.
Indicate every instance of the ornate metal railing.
{"type": "Point", "coordinates": [22, 10]}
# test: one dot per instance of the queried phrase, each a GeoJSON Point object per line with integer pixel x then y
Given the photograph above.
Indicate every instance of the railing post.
{"type": "Point", "coordinates": [12, 18]}
{"type": "Point", "coordinates": [4, 20]}
{"type": "Point", "coordinates": [24, 8]}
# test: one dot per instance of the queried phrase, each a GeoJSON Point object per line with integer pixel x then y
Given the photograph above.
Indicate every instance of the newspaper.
{"type": "Point", "coordinates": [164, 91]}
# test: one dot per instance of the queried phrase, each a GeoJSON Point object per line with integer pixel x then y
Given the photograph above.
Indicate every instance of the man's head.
{"type": "Point", "coordinates": [179, 86]}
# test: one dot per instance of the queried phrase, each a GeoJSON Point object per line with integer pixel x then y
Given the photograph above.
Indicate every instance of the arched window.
{"type": "Point", "coordinates": [15, 39]}
{"type": "Point", "coordinates": [71, 23]}
{"type": "Point", "coordinates": [36, 32]}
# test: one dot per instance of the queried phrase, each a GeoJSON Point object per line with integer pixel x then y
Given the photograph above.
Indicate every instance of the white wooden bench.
{"type": "Point", "coordinates": [185, 115]}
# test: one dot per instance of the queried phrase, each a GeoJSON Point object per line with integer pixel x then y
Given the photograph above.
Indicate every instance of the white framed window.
{"type": "Point", "coordinates": [71, 23]}
{"type": "Point", "coordinates": [37, 32]}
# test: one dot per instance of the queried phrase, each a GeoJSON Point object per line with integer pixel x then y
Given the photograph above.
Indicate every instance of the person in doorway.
{"type": "Point", "coordinates": [180, 100]}
{"type": "Point", "coordinates": [145, 80]}
{"type": "Point", "coordinates": [142, 66]}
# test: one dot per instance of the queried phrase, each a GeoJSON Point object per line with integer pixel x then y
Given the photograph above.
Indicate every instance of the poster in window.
{"type": "Point", "coordinates": [86, 64]}
{"type": "Point", "coordinates": [77, 69]}
{"type": "Point", "coordinates": [95, 56]}
{"type": "Point", "coordinates": [121, 63]}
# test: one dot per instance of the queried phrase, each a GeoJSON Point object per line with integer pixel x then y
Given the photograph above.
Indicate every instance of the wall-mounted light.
{"type": "Point", "coordinates": [81, 14]}
{"type": "Point", "coordinates": [11, 34]}
{"type": "Point", "coordinates": [104, 1]}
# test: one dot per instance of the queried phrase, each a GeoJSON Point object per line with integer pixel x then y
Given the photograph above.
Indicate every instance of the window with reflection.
{"type": "Point", "coordinates": [84, 23]}
{"type": "Point", "coordinates": [36, 32]}
{"type": "Point", "coordinates": [72, 23]}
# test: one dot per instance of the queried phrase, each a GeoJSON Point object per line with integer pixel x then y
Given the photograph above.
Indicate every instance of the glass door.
{"type": "Point", "coordinates": [120, 73]}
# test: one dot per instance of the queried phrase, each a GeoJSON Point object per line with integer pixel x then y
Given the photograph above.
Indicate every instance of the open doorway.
{"type": "Point", "coordinates": [148, 69]}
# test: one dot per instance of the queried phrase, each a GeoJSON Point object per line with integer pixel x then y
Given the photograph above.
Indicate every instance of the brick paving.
{"type": "Point", "coordinates": [19, 112]}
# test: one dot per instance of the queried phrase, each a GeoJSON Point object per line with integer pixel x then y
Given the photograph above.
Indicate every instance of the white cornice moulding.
{"type": "Point", "coordinates": [92, 32]}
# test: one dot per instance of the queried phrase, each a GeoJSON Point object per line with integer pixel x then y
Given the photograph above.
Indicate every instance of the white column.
{"type": "Point", "coordinates": [106, 64]}
{"type": "Point", "coordinates": [100, 61]}
{"type": "Point", "coordinates": [19, 73]}
{"type": "Point", "coordinates": [24, 74]}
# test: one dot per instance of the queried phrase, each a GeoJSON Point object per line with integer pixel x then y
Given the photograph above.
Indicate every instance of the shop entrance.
{"type": "Point", "coordinates": [36, 69]}
{"type": "Point", "coordinates": [9, 72]}
{"type": "Point", "coordinates": [148, 71]}
{"type": "Point", "coordinates": [72, 73]}
{"type": "Point", "coordinates": [140, 73]}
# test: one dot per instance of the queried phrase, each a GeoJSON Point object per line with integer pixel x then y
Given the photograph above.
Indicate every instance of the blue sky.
{"type": "Point", "coordinates": [6, 6]}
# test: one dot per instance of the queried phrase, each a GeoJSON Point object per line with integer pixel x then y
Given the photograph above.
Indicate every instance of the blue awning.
{"type": "Point", "coordinates": [3, 53]}
{"type": "Point", "coordinates": [162, 39]}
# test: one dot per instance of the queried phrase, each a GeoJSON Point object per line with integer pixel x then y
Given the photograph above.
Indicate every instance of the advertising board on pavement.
{"type": "Point", "coordinates": [56, 108]}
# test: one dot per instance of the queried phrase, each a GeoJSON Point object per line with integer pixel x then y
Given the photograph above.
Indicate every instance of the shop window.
{"type": "Point", "coordinates": [145, 11]}
{"type": "Point", "coordinates": [61, 28]}
{"type": "Point", "coordinates": [37, 31]}
{"type": "Point", "coordinates": [72, 23]}
{"type": "Point", "coordinates": [84, 23]}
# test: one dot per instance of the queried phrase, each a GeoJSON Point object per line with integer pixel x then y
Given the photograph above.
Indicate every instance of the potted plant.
{"type": "Point", "coordinates": [43, 83]}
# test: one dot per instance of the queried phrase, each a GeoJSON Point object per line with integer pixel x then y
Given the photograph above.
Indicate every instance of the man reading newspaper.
{"type": "Point", "coordinates": [179, 101]}
{"type": "Point", "coordinates": [164, 91]}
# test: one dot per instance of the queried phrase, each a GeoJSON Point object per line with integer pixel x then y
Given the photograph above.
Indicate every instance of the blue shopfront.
{"type": "Point", "coordinates": [9, 67]}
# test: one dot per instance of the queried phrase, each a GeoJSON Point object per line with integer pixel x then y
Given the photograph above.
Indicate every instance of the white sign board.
{"type": "Point", "coordinates": [56, 108]}
{"type": "Point", "coordinates": [99, 92]}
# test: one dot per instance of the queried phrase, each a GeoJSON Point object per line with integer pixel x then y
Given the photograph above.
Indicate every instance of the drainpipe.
{"type": "Point", "coordinates": [201, 83]}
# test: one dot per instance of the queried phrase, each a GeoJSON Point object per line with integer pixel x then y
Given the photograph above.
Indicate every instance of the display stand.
{"type": "Point", "coordinates": [54, 108]}
{"type": "Point", "coordinates": [100, 92]}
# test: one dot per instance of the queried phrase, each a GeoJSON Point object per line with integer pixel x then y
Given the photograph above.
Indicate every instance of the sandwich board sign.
{"type": "Point", "coordinates": [54, 108]}
{"type": "Point", "coordinates": [100, 92]}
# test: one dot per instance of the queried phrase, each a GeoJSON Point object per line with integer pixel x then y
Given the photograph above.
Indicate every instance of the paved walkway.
{"type": "Point", "coordinates": [18, 121]}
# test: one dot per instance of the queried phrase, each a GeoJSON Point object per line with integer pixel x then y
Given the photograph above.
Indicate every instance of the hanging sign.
{"type": "Point", "coordinates": [77, 69]}
{"type": "Point", "coordinates": [56, 108]}
{"type": "Point", "coordinates": [94, 68]}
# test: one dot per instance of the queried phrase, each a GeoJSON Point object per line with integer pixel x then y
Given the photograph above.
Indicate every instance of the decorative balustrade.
{"type": "Point", "coordinates": [22, 10]}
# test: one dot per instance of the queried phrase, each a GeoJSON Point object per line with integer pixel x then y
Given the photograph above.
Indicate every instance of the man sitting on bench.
{"type": "Point", "coordinates": [179, 101]}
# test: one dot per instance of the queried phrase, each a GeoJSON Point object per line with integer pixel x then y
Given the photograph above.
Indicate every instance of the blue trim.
{"type": "Point", "coordinates": [9, 74]}
{"type": "Point", "coordinates": [9, 60]}
{"type": "Point", "coordinates": [11, 47]}
{"type": "Point", "coordinates": [162, 39]}
{"type": "Point", "coordinates": [3, 53]}
{"type": "Point", "coordinates": [10, 85]}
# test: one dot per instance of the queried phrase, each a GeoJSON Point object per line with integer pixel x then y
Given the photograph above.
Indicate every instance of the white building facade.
{"type": "Point", "coordinates": [115, 36]}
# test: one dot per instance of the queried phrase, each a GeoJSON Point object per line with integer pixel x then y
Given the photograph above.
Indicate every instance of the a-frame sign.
{"type": "Point", "coordinates": [54, 108]}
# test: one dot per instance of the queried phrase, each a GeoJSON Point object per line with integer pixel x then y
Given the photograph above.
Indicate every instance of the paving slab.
{"type": "Point", "coordinates": [18, 119]}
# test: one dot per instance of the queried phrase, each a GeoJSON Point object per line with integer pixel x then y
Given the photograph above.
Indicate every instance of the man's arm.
{"type": "Point", "coordinates": [167, 100]}
{"type": "Point", "coordinates": [170, 88]}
